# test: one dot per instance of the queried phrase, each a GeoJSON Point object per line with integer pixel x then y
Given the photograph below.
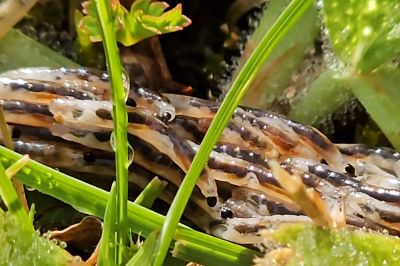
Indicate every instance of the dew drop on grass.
{"type": "Point", "coordinates": [30, 188]}
{"type": "Point", "coordinates": [126, 83]}
{"type": "Point", "coordinates": [113, 141]}
{"type": "Point", "coordinates": [63, 244]}
{"type": "Point", "coordinates": [26, 170]}
{"type": "Point", "coordinates": [131, 154]}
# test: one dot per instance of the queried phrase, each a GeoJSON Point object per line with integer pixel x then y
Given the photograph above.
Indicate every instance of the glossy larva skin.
{"type": "Point", "coordinates": [62, 117]}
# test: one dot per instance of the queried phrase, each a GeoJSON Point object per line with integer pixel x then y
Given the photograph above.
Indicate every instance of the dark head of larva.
{"type": "Point", "coordinates": [166, 117]}
{"type": "Point", "coordinates": [226, 213]}
{"type": "Point", "coordinates": [350, 170]}
{"type": "Point", "coordinates": [131, 102]}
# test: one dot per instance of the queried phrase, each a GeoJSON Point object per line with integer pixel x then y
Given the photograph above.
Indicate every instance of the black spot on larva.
{"type": "Point", "coordinates": [323, 161]}
{"type": "Point", "coordinates": [16, 133]}
{"type": "Point", "coordinates": [212, 201]}
{"type": "Point", "coordinates": [102, 136]}
{"type": "Point", "coordinates": [89, 157]}
{"type": "Point", "coordinates": [131, 102]}
{"type": "Point", "coordinates": [76, 113]}
{"type": "Point", "coordinates": [103, 114]}
{"type": "Point", "coordinates": [78, 132]}
{"type": "Point", "coordinates": [226, 213]}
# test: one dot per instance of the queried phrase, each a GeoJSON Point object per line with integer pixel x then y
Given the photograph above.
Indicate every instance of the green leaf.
{"type": "Point", "coordinates": [288, 56]}
{"type": "Point", "coordinates": [18, 50]}
{"type": "Point", "coordinates": [145, 19]}
{"type": "Point", "coordinates": [145, 253]}
{"type": "Point", "coordinates": [20, 247]}
{"type": "Point", "coordinates": [379, 93]}
{"type": "Point", "coordinates": [364, 34]}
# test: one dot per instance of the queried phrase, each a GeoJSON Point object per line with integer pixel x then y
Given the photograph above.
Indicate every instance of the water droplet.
{"type": "Point", "coordinates": [30, 188]}
{"type": "Point", "coordinates": [371, 5]}
{"type": "Point", "coordinates": [394, 33]}
{"type": "Point", "coordinates": [113, 141]}
{"type": "Point", "coordinates": [63, 244]}
{"type": "Point", "coordinates": [126, 82]}
{"type": "Point", "coordinates": [367, 30]}
{"type": "Point", "coordinates": [131, 154]}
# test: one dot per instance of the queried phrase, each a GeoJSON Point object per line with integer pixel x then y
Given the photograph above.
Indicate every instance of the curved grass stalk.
{"type": "Point", "coordinates": [242, 82]}
{"type": "Point", "coordinates": [92, 200]}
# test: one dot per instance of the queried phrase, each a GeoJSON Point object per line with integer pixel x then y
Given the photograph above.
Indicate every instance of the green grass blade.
{"type": "Point", "coordinates": [150, 193]}
{"type": "Point", "coordinates": [285, 60]}
{"type": "Point", "coordinates": [92, 200]}
{"type": "Point", "coordinates": [120, 119]}
{"type": "Point", "coordinates": [11, 200]}
{"type": "Point", "coordinates": [242, 82]}
{"type": "Point", "coordinates": [108, 250]}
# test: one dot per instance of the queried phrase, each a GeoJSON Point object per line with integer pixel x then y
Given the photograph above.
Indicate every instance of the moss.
{"type": "Point", "coordinates": [21, 248]}
{"type": "Point", "coordinates": [316, 246]}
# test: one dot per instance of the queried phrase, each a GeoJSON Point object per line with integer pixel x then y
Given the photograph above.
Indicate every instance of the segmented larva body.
{"type": "Point", "coordinates": [62, 117]}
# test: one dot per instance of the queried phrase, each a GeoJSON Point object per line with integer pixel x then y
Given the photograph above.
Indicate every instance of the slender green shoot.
{"type": "Point", "coordinates": [144, 254]}
{"type": "Point", "coordinates": [32, 212]}
{"type": "Point", "coordinates": [150, 193]}
{"type": "Point", "coordinates": [108, 245]}
{"type": "Point", "coordinates": [5, 133]}
{"type": "Point", "coordinates": [120, 141]}
{"type": "Point", "coordinates": [91, 200]}
{"type": "Point", "coordinates": [242, 82]}
{"type": "Point", "coordinates": [10, 198]}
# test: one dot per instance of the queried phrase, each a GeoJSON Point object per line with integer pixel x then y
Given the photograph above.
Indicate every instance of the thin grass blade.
{"type": "Point", "coordinates": [108, 249]}
{"type": "Point", "coordinates": [120, 120]}
{"type": "Point", "coordinates": [150, 193]}
{"type": "Point", "coordinates": [91, 200]}
{"type": "Point", "coordinates": [10, 198]}
{"type": "Point", "coordinates": [242, 82]}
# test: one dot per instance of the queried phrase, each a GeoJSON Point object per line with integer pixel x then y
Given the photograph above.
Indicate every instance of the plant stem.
{"type": "Point", "coordinates": [239, 87]}
{"type": "Point", "coordinates": [120, 120]}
